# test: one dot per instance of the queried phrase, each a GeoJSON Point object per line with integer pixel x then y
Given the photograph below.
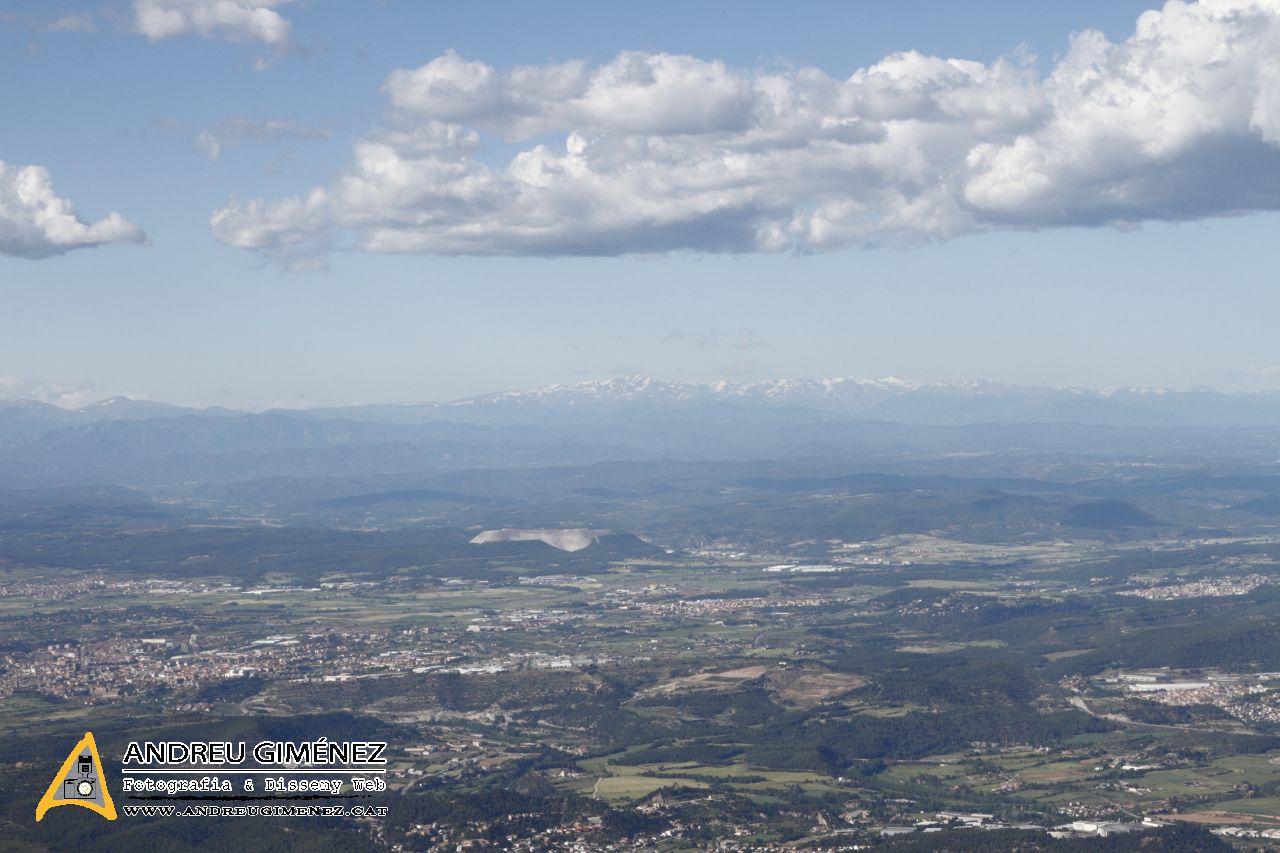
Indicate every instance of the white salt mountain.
{"type": "Point", "coordinates": [566, 539]}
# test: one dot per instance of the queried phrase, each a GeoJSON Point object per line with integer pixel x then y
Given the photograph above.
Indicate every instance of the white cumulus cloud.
{"type": "Point", "coordinates": [35, 222]}
{"type": "Point", "coordinates": [234, 20]}
{"type": "Point", "coordinates": [655, 152]}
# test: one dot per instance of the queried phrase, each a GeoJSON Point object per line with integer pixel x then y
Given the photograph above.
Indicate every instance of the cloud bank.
{"type": "Point", "coordinates": [63, 394]}
{"type": "Point", "coordinates": [657, 152]}
{"type": "Point", "coordinates": [233, 20]}
{"type": "Point", "coordinates": [35, 222]}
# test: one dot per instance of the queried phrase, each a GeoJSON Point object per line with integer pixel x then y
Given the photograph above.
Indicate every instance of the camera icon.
{"type": "Point", "coordinates": [84, 788]}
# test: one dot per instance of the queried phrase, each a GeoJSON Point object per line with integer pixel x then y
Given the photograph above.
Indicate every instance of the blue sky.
{"type": "Point", "coordinates": [999, 218]}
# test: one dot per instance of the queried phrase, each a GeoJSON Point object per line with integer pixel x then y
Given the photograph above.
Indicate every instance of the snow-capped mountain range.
{"type": "Point", "coordinates": [896, 399]}
{"type": "Point", "coordinates": [888, 399]}
{"type": "Point", "coordinates": [132, 442]}
{"type": "Point", "coordinates": [661, 390]}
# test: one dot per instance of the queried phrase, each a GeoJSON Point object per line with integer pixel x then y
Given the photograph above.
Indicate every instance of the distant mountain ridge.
{"type": "Point", "coordinates": [889, 399]}
{"type": "Point", "coordinates": [147, 445]}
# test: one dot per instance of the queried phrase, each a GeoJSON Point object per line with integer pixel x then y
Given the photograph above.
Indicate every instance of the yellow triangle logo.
{"type": "Point", "coordinates": [80, 782]}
